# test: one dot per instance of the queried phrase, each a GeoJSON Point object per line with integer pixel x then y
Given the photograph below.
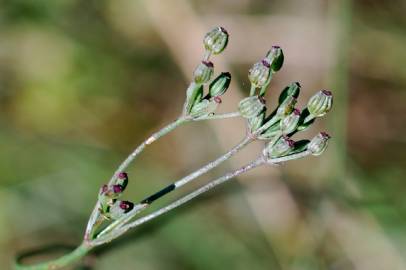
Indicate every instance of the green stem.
{"type": "Point", "coordinates": [63, 261]}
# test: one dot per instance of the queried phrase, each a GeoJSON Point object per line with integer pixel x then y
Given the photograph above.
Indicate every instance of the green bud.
{"type": "Point", "coordinates": [293, 90]}
{"type": "Point", "coordinates": [318, 144]}
{"type": "Point", "coordinates": [282, 147]}
{"type": "Point", "coordinates": [259, 73]}
{"type": "Point", "coordinates": [203, 108]}
{"type": "Point", "coordinates": [203, 72]}
{"type": "Point", "coordinates": [276, 58]}
{"type": "Point", "coordinates": [220, 84]}
{"type": "Point", "coordinates": [290, 122]}
{"type": "Point", "coordinates": [119, 209]}
{"type": "Point", "coordinates": [286, 107]}
{"type": "Point", "coordinates": [216, 40]}
{"type": "Point", "coordinates": [270, 132]}
{"type": "Point", "coordinates": [256, 122]}
{"type": "Point", "coordinates": [194, 94]}
{"type": "Point", "coordinates": [251, 106]}
{"type": "Point", "coordinates": [320, 103]}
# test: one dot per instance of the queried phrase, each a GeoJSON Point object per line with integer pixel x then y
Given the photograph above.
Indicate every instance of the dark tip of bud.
{"type": "Point", "coordinates": [266, 63]}
{"type": "Point", "coordinates": [228, 74]}
{"type": "Point", "coordinates": [104, 189]}
{"type": "Point", "coordinates": [126, 206]}
{"type": "Point", "coordinates": [296, 111]}
{"type": "Point", "coordinates": [262, 99]}
{"type": "Point", "coordinates": [325, 135]}
{"type": "Point", "coordinates": [208, 64]}
{"type": "Point", "coordinates": [298, 84]}
{"type": "Point", "coordinates": [117, 189]}
{"type": "Point", "coordinates": [290, 142]}
{"type": "Point", "coordinates": [276, 47]}
{"type": "Point", "coordinates": [222, 29]}
{"type": "Point", "coordinates": [217, 99]}
{"type": "Point", "coordinates": [327, 92]}
{"type": "Point", "coordinates": [122, 175]}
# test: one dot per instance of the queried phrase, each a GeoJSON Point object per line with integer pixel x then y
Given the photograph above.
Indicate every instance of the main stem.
{"type": "Point", "coordinates": [63, 261]}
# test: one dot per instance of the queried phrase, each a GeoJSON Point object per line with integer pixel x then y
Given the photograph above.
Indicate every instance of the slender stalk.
{"type": "Point", "coordinates": [63, 261]}
{"type": "Point", "coordinates": [177, 184]}
{"type": "Point", "coordinates": [252, 90]}
{"type": "Point", "coordinates": [181, 201]}
{"type": "Point", "coordinates": [219, 116]}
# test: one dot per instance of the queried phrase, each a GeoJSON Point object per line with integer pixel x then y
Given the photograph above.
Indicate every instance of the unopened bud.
{"type": "Point", "coordinates": [216, 40]}
{"type": "Point", "coordinates": [194, 94]}
{"type": "Point", "coordinates": [320, 103]}
{"type": "Point", "coordinates": [203, 72]}
{"type": "Point", "coordinates": [120, 208]}
{"type": "Point", "coordinates": [220, 84]}
{"type": "Point", "coordinates": [259, 73]}
{"type": "Point", "coordinates": [281, 148]}
{"type": "Point", "coordinates": [122, 180]}
{"type": "Point", "coordinates": [203, 108]}
{"type": "Point", "coordinates": [286, 107]}
{"type": "Point", "coordinates": [276, 58]}
{"type": "Point", "coordinates": [250, 106]}
{"type": "Point", "coordinates": [290, 122]}
{"type": "Point", "coordinates": [318, 144]}
{"type": "Point", "coordinates": [293, 90]}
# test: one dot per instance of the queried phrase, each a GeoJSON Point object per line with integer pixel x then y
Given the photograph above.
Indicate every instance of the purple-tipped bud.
{"type": "Point", "coordinates": [203, 72]}
{"type": "Point", "coordinates": [126, 206]}
{"type": "Point", "coordinates": [122, 175]}
{"type": "Point", "coordinates": [117, 189]}
{"type": "Point", "coordinates": [275, 57]}
{"type": "Point", "coordinates": [318, 144]}
{"type": "Point", "coordinates": [104, 189]}
{"type": "Point", "coordinates": [119, 208]}
{"type": "Point", "coordinates": [122, 180]}
{"type": "Point", "coordinates": [281, 148]}
{"type": "Point", "coordinates": [259, 73]}
{"type": "Point", "coordinates": [320, 103]}
{"type": "Point", "coordinates": [216, 40]}
{"type": "Point", "coordinates": [289, 123]}
{"type": "Point", "coordinates": [217, 99]}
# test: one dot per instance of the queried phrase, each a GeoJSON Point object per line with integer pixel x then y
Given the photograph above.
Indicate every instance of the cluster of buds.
{"type": "Point", "coordinates": [201, 103]}
{"type": "Point", "coordinates": [286, 120]}
{"type": "Point", "coordinates": [110, 206]}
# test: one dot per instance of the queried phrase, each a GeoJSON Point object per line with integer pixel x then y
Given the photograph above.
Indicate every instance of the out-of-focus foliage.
{"type": "Point", "coordinates": [82, 82]}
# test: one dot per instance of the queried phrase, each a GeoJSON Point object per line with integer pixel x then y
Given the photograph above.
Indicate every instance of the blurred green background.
{"type": "Point", "coordinates": [83, 82]}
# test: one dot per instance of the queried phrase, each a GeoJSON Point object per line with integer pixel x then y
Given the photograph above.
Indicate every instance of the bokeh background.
{"type": "Point", "coordinates": [83, 82]}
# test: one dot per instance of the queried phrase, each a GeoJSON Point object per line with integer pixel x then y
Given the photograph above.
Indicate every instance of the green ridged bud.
{"type": "Point", "coordinates": [216, 40]}
{"type": "Point", "coordinates": [281, 148]}
{"type": "Point", "coordinates": [119, 209]}
{"type": "Point", "coordinates": [255, 123]}
{"type": "Point", "coordinates": [293, 90]}
{"type": "Point", "coordinates": [204, 108]}
{"type": "Point", "coordinates": [318, 144]}
{"type": "Point", "coordinates": [286, 107]}
{"type": "Point", "coordinates": [259, 73]}
{"type": "Point", "coordinates": [276, 58]}
{"type": "Point", "coordinates": [194, 95]}
{"type": "Point", "coordinates": [320, 103]}
{"type": "Point", "coordinates": [203, 72]}
{"type": "Point", "coordinates": [220, 84]}
{"type": "Point", "coordinates": [251, 106]}
{"type": "Point", "coordinates": [290, 122]}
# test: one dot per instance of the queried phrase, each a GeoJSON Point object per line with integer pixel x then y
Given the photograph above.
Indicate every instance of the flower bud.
{"type": "Point", "coordinates": [259, 73]}
{"type": "Point", "coordinates": [318, 144]}
{"type": "Point", "coordinates": [276, 58]}
{"type": "Point", "coordinates": [122, 180]}
{"type": "Point", "coordinates": [290, 122]}
{"type": "Point", "coordinates": [120, 208]}
{"type": "Point", "coordinates": [281, 148]}
{"type": "Point", "coordinates": [293, 90]}
{"type": "Point", "coordinates": [320, 103]}
{"type": "Point", "coordinates": [250, 106]}
{"type": "Point", "coordinates": [194, 94]}
{"type": "Point", "coordinates": [203, 72]}
{"type": "Point", "coordinates": [216, 40]}
{"type": "Point", "coordinates": [256, 122]}
{"type": "Point", "coordinates": [203, 108]}
{"type": "Point", "coordinates": [286, 107]}
{"type": "Point", "coordinates": [220, 84]}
